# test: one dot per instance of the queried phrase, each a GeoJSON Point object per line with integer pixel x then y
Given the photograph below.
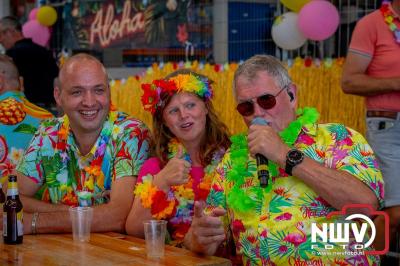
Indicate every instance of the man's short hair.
{"type": "Point", "coordinates": [10, 22]}
{"type": "Point", "coordinates": [250, 68]}
{"type": "Point", "coordinates": [9, 71]}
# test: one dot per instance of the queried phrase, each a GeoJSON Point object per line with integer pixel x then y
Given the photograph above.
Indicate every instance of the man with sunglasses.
{"type": "Point", "coordinates": [314, 169]}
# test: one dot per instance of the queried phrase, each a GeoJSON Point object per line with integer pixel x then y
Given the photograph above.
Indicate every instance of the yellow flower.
{"type": "Point", "coordinates": [184, 193]}
{"type": "Point", "coordinates": [116, 131]}
{"type": "Point", "coordinates": [65, 187]}
{"type": "Point", "coordinates": [146, 192]}
{"type": "Point", "coordinates": [100, 179]}
{"type": "Point", "coordinates": [180, 81]}
{"type": "Point", "coordinates": [89, 183]}
{"type": "Point", "coordinates": [16, 155]}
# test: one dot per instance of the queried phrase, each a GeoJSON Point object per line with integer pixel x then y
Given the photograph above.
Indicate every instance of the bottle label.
{"type": "Point", "coordinates": [20, 225]}
{"type": "Point", "coordinates": [4, 224]}
{"type": "Point", "coordinates": [12, 189]}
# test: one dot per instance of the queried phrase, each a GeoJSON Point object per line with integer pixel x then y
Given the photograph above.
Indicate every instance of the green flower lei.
{"type": "Point", "coordinates": [238, 198]}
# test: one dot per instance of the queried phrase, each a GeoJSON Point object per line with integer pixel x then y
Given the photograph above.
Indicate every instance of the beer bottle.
{"type": "Point", "coordinates": [12, 214]}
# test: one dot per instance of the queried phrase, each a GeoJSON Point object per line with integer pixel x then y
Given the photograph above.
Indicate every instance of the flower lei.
{"type": "Point", "coordinates": [389, 19]}
{"type": "Point", "coordinates": [93, 171]}
{"type": "Point", "coordinates": [151, 98]}
{"type": "Point", "coordinates": [238, 198]}
{"type": "Point", "coordinates": [164, 205]}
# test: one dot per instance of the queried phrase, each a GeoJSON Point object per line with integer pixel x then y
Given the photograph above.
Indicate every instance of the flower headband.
{"type": "Point", "coordinates": [151, 98]}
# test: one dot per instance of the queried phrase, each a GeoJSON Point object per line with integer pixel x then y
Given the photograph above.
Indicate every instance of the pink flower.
{"type": "Point", "coordinates": [264, 234]}
{"type": "Point", "coordinates": [303, 138]}
{"type": "Point", "coordinates": [283, 249]}
{"type": "Point", "coordinates": [251, 238]}
{"type": "Point", "coordinates": [284, 217]}
{"type": "Point", "coordinates": [217, 188]}
{"type": "Point", "coordinates": [238, 227]}
{"type": "Point", "coordinates": [381, 190]}
{"type": "Point", "coordinates": [323, 202]}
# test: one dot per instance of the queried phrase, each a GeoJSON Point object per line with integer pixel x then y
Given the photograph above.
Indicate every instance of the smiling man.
{"type": "Point", "coordinates": [90, 156]}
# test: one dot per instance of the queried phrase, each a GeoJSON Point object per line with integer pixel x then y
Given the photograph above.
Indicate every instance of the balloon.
{"type": "Point", "coordinates": [318, 20]}
{"type": "Point", "coordinates": [47, 15]}
{"type": "Point", "coordinates": [37, 32]}
{"type": "Point", "coordinates": [33, 14]}
{"type": "Point", "coordinates": [285, 32]}
{"type": "Point", "coordinates": [294, 5]}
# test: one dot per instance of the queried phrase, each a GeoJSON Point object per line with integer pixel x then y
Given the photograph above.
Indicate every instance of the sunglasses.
{"type": "Point", "coordinates": [266, 101]}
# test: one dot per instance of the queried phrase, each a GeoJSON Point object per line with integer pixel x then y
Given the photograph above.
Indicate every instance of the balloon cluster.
{"type": "Point", "coordinates": [315, 20]}
{"type": "Point", "coordinates": [37, 27]}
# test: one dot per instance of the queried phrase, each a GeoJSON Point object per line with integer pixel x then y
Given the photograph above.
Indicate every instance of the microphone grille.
{"type": "Point", "coordinates": [259, 121]}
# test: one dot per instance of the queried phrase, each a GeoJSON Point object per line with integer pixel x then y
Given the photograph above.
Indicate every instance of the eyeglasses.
{"type": "Point", "coordinates": [266, 101]}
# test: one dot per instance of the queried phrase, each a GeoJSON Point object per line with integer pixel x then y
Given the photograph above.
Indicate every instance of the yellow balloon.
{"type": "Point", "coordinates": [294, 5]}
{"type": "Point", "coordinates": [46, 15]}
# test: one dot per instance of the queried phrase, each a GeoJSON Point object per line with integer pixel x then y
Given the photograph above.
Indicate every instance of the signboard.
{"type": "Point", "coordinates": [136, 24]}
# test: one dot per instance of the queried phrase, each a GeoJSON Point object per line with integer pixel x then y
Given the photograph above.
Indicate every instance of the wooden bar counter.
{"type": "Point", "coordinates": [102, 249]}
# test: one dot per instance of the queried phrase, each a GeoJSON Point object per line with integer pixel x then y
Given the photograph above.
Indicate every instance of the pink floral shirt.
{"type": "Point", "coordinates": [278, 230]}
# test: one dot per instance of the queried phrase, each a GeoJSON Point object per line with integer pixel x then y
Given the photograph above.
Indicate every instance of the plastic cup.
{"type": "Point", "coordinates": [81, 218]}
{"type": "Point", "coordinates": [154, 232]}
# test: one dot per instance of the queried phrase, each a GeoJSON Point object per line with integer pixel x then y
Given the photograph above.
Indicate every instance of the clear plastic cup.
{"type": "Point", "coordinates": [81, 218]}
{"type": "Point", "coordinates": [154, 232]}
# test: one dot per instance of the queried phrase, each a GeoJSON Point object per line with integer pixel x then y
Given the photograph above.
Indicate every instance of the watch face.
{"type": "Point", "coordinates": [295, 156]}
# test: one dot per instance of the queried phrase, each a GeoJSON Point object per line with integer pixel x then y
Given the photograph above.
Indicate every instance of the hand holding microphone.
{"type": "Point", "coordinates": [262, 161]}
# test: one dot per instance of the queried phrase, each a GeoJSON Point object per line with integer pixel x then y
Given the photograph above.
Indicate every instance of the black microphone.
{"type": "Point", "coordinates": [262, 162]}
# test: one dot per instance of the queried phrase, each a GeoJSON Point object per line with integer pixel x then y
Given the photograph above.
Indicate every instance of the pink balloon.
{"type": "Point", "coordinates": [318, 20]}
{"type": "Point", "coordinates": [33, 13]}
{"type": "Point", "coordinates": [38, 33]}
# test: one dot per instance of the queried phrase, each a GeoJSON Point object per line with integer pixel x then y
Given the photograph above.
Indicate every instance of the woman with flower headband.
{"type": "Point", "coordinates": [189, 141]}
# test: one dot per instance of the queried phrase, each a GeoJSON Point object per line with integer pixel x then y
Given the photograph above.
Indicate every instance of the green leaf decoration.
{"type": "Point", "coordinates": [277, 202]}
{"type": "Point", "coordinates": [243, 200]}
{"type": "Point", "coordinates": [25, 128]}
{"type": "Point", "coordinates": [216, 198]}
{"type": "Point", "coordinates": [51, 167]}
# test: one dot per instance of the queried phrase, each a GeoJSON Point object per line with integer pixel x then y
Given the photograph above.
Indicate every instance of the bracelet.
{"type": "Point", "coordinates": [154, 199]}
{"type": "Point", "coordinates": [33, 224]}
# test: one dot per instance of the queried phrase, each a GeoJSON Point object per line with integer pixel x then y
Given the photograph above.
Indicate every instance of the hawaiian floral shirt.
{"type": "Point", "coordinates": [278, 231]}
{"type": "Point", "coordinates": [19, 120]}
{"type": "Point", "coordinates": [126, 150]}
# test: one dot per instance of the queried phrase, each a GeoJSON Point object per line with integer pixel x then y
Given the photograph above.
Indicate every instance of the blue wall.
{"type": "Point", "coordinates": [249, 30]}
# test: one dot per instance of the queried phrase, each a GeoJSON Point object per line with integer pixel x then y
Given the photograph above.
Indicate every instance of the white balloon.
{"type": "Point", "coordinates": [285, 32]}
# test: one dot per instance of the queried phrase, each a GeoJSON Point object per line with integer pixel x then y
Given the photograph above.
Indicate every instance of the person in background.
{"type": "Point", "coordinates": [372, 70]}
{"type": "Point", "coordinates": [314, 169]}
{"type": "Point", "coordinates": [19, 118]}
{"type": "Point", "coordinates": [189, 141]}
{"type": "Point", "coordinates": [35, 63]}
{"type": "Point", "coordinates": [90, 156]}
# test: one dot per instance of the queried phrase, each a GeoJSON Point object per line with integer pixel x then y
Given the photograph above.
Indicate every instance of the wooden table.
{"type": "Point", "coordinates": [102, 249]}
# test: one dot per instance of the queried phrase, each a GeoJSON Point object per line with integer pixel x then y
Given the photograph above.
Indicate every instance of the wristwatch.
{"type": "Point", "coordinates": [293, 158]}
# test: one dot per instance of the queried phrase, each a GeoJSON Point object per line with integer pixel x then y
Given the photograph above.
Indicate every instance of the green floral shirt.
{"type": "Point", "coordinates": [61, 182]}
{"type": "Point", "coordinates": [277, 231]}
